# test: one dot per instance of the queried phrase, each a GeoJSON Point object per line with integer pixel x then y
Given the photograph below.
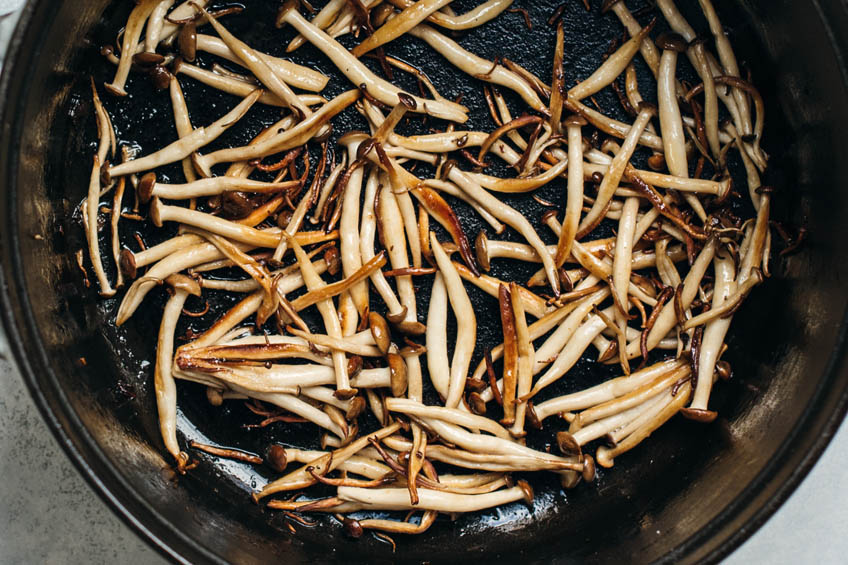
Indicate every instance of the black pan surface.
{"type": "Point", "coordinates": [690, 493]}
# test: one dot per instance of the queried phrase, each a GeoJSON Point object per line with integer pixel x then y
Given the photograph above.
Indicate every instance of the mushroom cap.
{"type": "Point", "coordinates": [346, 393]}
{"type": "Point", "coordinates": [353, 136]}
{"type": "Point", "coordinates": [127, 263]}
{"type": "Point", "coordinates": [607, 5]}
{"type": "Point", "coordinates": [145, 187]}
{"type": "Point", "coordinates": [398, 318]}
{"type": "Point", "coordinates": [671, 42]}
{"type": "Point", "coordinates": [568, 444]}
{"type": "Point", "coordinates": [285, 10]}
{"type": "Point", "coordinates": [699, 414]}
{"type": "Point", "coordinates": [380, 331]}
{"type": "Point", "coordinates": [407, 101]}
{"type": "Point", "coordinates": [411, 328]}
{"type": "Point", "coordinates": [183, 283]}
{"type": "Point", "coordinates": [148, 59]}
{"type": "Point", "coordinates": [574, 120]}
{"type": "Point", "coordinates": [645, 106]}
{"type": "Point", "coordinates": [604, 457]}
{"type": "Point", "coordinates": [357, 406]}
{"type": "Point", "coordinates": [399, 376]}
{"type": "Point", "coordinates": [481, 248]}
{"type": "Point", "coordinates": [156, 212]}
{"type": "Point", "coordinates": [548, 214]}
{"type": "Point", "coordinates": [187, 41]}
{"type": "Point", "coordinates": [477, 404]}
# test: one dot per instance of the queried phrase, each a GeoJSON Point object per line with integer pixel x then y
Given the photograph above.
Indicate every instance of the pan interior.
{"type": "Point", "coordinates": [681, 492]}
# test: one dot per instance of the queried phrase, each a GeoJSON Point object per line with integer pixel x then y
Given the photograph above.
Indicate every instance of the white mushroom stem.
{"type": "Point", "coordinates": [480, 14]}
{"type": "Point", "coordinates": [185, 146]}
{"type": "Point", "coordinates": [667, 317]}
{"type": "Point", "coordinates": [606, 391]}
{"type": "Point", "coordinates": [132, 33]}
{"type": "Point", "coordinates": [478, 67]}
{"type": "Point", "coordinates": [713, 339]}
{"type": "Point", "coordinates": [182, 121]}
{"type": "Point", "coordinates": [452, 415]}
{"type": "Point", "coordinates": [392, 229]}
{"type": "Point", "coordinates": [91, 209]}
{"type": "Point", "coordinates": [491, 445]}
{"type": "Point", "coordinates": [611, 68]}
{"type": "Point", "coordinates": [605, 455]}
{"type": "Point", "coordinates": [574, 348]}
{"type": "Point", "coordinates": [647, 48]}
{"type": "Point", "coordinates": [533, 304]}
{"type": "Point", "coordinates": [509, 216]}
{"type": "Point", "coordinates": [295, 75]}
{"type": "Point", "coordinates": [613, 127]}
{"type": "Point", "coordinates": [182, 12]}
{"type": "Point", "coordinates": [324, 464]}
{"type": "Point", "coordinates": [155, 23]}
{"type": "Point", "coordinates": [526, 361]}
{"type": "Point", "coordinates": [436, 337]}
{"type": "Point", "coordinates": [398, 499]}
{"type": "Point", "coordinates": [322, 20]}
{"type": "Point", "coordinates": [683, 184]}
{"type": "Point", "coordinates": [361, 76]}
{"type": "Point", "coordinates": [633, 398]}
{"type": "Point", "coordinates": [163, 380]}
{"type": "Point", "coordinates": [616, 171]}
{"type": "Point", "coordinates": [552, 346]}
{"type": "Point", "coordinates": [328, 314]}
{"type": "Point", "coordinates": [282, 140]}
{"type": "Point", "coordinates": [235, 86]}
{"type": "Point", "coordinates": [574, 200]}
{"type": "Point", "coordinates": [466, 335]}
{"type": "Point", "coordinates": [349, 242]}
{"type": "Point", "coordinates": [257, 65]}
{"type": "Point", "coordinates": [212, 186]}
{"type": "Point", "coordinates": [367, 234]}
{"type": "Point", "coordinates": [622, 268]}
{"type": "Point", "coordinates": [399, 24]}
{"type": "Point", "coordinates": [620, 420]}
{"type": "Point", "coordinates": [728, 62]}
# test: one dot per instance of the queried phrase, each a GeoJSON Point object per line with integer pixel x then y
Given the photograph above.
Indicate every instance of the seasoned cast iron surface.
{"type": "Point", "coordinates": [119, 360]}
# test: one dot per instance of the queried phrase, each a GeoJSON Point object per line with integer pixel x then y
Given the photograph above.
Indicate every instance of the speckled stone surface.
{"type": "Point", "coordinates": [49, 515]}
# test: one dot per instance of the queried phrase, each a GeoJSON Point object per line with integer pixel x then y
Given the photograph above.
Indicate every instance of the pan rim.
{"type": "Point", "coordinates": [743, 516]}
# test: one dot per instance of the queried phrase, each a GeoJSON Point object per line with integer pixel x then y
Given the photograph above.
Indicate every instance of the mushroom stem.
{"type": "Point", "coordinates": [359, 74]}
{"type": "Point", "coordinates": [132, 33]}
{"type": "Point", "coordinates": [436, 337]}
{"type": "Point", "coordinates": [399, 25]}
{"type": "Point", "coordinates": [187, 145]}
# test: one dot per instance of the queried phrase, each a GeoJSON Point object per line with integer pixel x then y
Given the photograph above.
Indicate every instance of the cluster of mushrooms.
{"type": "Point", "coordinates": [656, 298]}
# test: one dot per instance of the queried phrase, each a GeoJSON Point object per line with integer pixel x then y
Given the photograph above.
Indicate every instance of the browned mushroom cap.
{"type": "Point", "coordinates": [574, 120]}
{"type": "Point", "coordinates": [699, 40]}
{"type": "Point", "coordinates": [648, 107]}
{"type": "Point", "coordinates": [407, 101]}
{"type": "Point", "coordinates": [607, 5]}
{"type": "Point", "coordinates": [380, 331]}
{"type": "Point", "coordinates": [145, 187]}
{"type": "Point", "coordinates": [532, 417]}
{"type": "Point", "coordinates": [184, 283]}
{"type": "Point", "coordinates": [588, 468]}
{"type": "Point", "coordinates": [481, 248]}
{"type": "Point", "coordinates": [148, 59]}
{"type": "Point", "coordinates": [188, 41]}
{"type": "Point", "coordinates": [527, 490]}
{"type": "Point", "coordinates": [699, 415]}
{"type": "Point", "coordinates": [128, 265]}
{"type": "Point", "coordinates": [568, 444]}
{"type": "Point", "coordinates": [277, 458]}
{"type": "Point", "coordinates": [671, 41]}
{"type": "Point", "coordinates": [477, 404]}
{"type": "Point", "coordinates": [160, 77]}
{"type": "Point", "coordinates": [357, 406]}
{"type": "Point", "coordinates": [399, 378]}
{"type": "Point", "coordinates": [156, 212]}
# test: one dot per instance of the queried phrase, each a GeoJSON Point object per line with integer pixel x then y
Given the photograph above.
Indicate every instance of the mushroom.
{"type": "Point", "coordinates": [185, 146]}
{"type": "Point", "coordinates": [359, 74]}
{"type": "Point", "coordinates": [478, 67]}
{"type": "Point", "coordinates": [574, 202]}
{"type": "Point", "coordinates": [480, 14]}
{"type": "Point", "coordinates": [166, 390]}
{"type": "Point", "coordinates": [466, 335]}
{"type": "Point", "coordinates": [399, 24]}
{"type": "Point", "coordinates": [132, 33]}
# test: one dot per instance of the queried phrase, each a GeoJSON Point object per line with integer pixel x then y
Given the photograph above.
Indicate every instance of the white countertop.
{"type": "Point", "coordinates": [49, 514]}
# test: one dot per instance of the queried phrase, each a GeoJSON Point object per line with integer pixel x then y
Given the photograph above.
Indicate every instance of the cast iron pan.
{"type": "Point", "coordinates": [690, 493]}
